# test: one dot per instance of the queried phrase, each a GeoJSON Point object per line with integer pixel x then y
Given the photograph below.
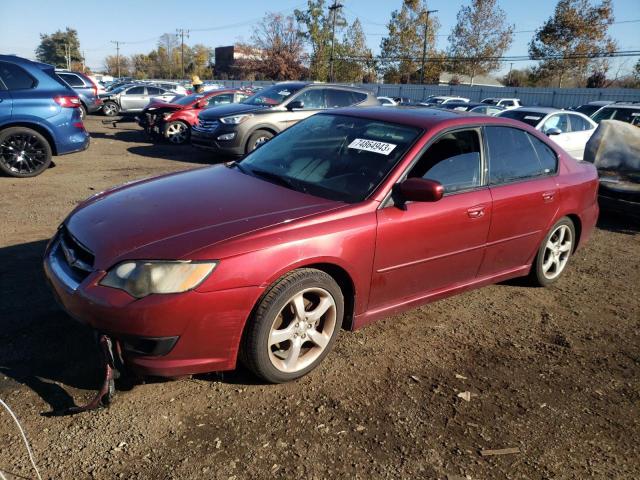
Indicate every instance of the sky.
{"type": "Point", "coordinates": [139, 23]}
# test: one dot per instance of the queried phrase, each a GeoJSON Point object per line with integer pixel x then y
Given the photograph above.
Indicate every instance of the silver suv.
{"type": "Point", "coordinates": [132, 98]}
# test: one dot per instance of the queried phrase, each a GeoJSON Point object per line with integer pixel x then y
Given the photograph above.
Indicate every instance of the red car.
{"type": "Point", "coordinates": [347, 217]}
{"type": "Point", "coordinates": [173, 121]}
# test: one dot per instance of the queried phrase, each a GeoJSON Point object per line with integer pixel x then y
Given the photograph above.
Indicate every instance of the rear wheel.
{"type": "Point", "coordinates": [177, 132]}
{"type": "Point", "coordinates": [257, 138]}
{"type": "Point", "coordinates": [554, 253]}
{"type": "Point", "coordinates": [110, 109]}
{"type": "Point", "coordinates": [83, 112]}
{"type": "Point", "coordinates": [23, 152]}
{"type": "Point", "coordinates": [294, 326]}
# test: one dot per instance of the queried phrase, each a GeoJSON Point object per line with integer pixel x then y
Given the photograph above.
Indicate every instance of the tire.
{"type": "Point", "coordinates": [554, 253]}
{"type": "Point", "coordinates": [275, 318]}
{"type": "Point", "coordinates": [257, 138]}
{"type": "Point", "coordinates": [110, 109]}
{"type": "Point", "coordinates": [177, 132]}
{"type": "Point", "coordinates": [23, 152]}
{"type": "Point", "coordinates": [83, 112]}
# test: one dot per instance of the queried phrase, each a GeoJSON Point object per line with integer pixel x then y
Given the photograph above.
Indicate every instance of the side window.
{"type": "Point", "coordinates": [15, 77]}
{"type": "Point", "coordinates": [221, 99]}
{"type": "Point", "coordinates": [154, 91]}
{"type": "Point", "coordinates": [579, 124]}
{"type": "Point", "coordinates": [546, 156]}
{"type": "Point", "coordinates": [240, 97]}
{"type": "Point", "coordinates": [511, 155]}
{"type": "Point", "coordinates": [453, 160]}
{"type": "Point", "coordinates": [339, 98]}
{"type": "Point", "coordinates": [507, 103]}
{"type": "Point", "coordinates": [71, 79]}
{"type": "Point", "coordinates": [313, 99]}
{"type": "Point", "coordinates": [135, 91]}
{"type": "Point", "coordinates": [560, 121]}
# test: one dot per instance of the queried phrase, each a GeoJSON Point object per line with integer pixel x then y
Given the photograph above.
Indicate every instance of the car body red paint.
{"type": "Point", "coordinates": [391, 258]}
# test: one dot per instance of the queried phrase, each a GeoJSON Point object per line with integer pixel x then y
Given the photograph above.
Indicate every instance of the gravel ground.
{"type": "Point", "coordinates": [551, 372]}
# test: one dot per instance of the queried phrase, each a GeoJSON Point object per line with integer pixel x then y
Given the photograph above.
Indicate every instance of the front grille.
{"type": "Point", "coordinates": [207, 125]}
{"type": "Point", "coordinates": [78, 258]}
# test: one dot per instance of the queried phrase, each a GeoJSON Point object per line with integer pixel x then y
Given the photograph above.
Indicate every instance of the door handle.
{"type": "Point", "coordinates": [549, 196]}
{"type": "Point", "coordinates": [476, 212]}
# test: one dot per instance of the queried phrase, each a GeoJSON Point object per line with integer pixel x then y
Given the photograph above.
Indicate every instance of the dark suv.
{"type": "Point", "coordinates": [85, 88]}
{"type": "Point", "coordinates": [239, 128]}
{"type": "Point", "coordinates": [39, 117]}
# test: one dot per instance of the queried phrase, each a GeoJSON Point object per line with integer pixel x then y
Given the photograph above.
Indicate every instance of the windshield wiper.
{"type": "Point", "coordinates": [274, 178]}
{"type": "Point", "coordinates": [236, 164]}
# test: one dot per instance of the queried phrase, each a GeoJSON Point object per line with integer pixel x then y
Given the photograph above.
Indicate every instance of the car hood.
{"type": "Point", "coordinates": [172, 216]}
{"type": "Point", "coordinates": [229, 109]}
{"type": "Point", "coordinates": [164, 105]}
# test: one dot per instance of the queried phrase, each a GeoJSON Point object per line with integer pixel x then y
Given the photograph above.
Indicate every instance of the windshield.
{"type": "Point", "coordinates": [491, 101]}
{"type": "Point", "coordinates": [332, 156]}
{"type": "Point", "coordinates": [270, 96]}
{"type": "Point", "coordinates": [530, 118]}
{"type": "Point", "coordinates": [186, 100]}
{"type": "Point", "coordinates": [434, 100]}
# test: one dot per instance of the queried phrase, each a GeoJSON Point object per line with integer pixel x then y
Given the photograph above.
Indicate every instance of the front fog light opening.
{"type": "Point", "coordinates": [227, 136]}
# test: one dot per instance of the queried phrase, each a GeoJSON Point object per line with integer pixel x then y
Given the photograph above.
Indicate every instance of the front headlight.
{"type": "Point", "coordinates": [140, 278]}
{"type": "Point", "coordinates": [236, 119]}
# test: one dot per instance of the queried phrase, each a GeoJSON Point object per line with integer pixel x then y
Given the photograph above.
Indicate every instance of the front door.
{"type": "Point", "coordinates": [522, 179]}
{"type": "Point", "coordinates": [426, 247]}
{"type": "Point", "coordinates": [313, 101]}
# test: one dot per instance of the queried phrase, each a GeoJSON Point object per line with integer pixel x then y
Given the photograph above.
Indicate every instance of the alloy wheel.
{"type": "Point", "coordinates": [259, 141]}
{"type": "Point", "coordinates": [557, 252]}
{"type": "Point", "coordinates": [302, 330]}
{"type": "Point", "coordinates": [177, 132]}
{"type": "Point", "coordinates": [109, 109]}
{"type": "Point", "coordinates": [23, 153]}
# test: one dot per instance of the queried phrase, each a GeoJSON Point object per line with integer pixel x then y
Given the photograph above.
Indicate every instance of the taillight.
{"type": "Point", "coordinates": [95, 90]}
{"type": "Point", "coordinates": [79, 125]}
{"type": "Point", "coordinates": [67, 101]}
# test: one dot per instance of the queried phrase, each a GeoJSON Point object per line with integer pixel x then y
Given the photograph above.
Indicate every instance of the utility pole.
{"type": "Point", "coordinates": [117, 43]}
{"type": "Point", "coordinates": [510, 68]}
{"type": "Point", "coordinates": [67, 55]}
{"type": "Point", "coordinates": [182, 32]}
{"type": "Point", "coordinates": [84, 68]}
{"type": "Point", "coordinates": [424, 44]}
{"type": "Point", "coordinates": [333, 9]}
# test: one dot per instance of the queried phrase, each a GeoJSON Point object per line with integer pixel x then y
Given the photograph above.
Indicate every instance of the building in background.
{"type": "Point", "coordinates": [229, 60]}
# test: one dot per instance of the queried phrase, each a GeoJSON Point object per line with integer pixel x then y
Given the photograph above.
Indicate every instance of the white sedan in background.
{"type": "Point", "coordinates": [570, 130]}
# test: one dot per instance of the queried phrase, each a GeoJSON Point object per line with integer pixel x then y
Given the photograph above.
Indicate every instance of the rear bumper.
{"type": "Point", "coordinates": [75, 142]}
{"type": "Point", "coordinates": [161, 335]}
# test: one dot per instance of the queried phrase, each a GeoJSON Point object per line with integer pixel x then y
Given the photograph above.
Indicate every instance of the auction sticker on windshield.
{"type": "Point", "coordinates": [372, 146]}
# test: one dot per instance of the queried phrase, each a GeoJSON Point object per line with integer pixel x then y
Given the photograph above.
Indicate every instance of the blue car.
{"type": "Point", "coordinates": [39, 117]}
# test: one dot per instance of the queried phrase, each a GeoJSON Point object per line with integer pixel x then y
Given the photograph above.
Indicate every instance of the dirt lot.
{"type": "Point", "coordinates": [554, 373]}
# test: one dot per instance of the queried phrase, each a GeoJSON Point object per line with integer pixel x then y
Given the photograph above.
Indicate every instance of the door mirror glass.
{"type": "Point", "coordinates": [421, 190]}
{"type": "Point", "coordinates": [553, 131]}
{"type": "Point", "coordinates": [295, 105]}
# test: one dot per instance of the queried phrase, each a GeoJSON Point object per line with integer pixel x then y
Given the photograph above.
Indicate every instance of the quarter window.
{"type": "Point", "coordinates": [15, 77]}
{"type": "Point", "coordinates": [515, 155]}
{"type": "Point", "coordinates": [453, 160]}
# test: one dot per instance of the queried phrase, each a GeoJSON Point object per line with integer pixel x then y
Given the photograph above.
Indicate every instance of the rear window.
{"type": "Point", "coordinates": [71, 79]}
{"type": "Point", "coordinates": [530, 118]}
{"type": "Point", "coordinates": [16, 77]}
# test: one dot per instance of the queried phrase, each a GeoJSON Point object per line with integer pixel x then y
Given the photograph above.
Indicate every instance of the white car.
{"type": "Point", "coordinates": [387, 102]}
{"type": "Point", "coordinates": [506, 103]}
{"type": "Point", "coordinates": [435, 100]}
{"type": "Point", "coordinates": [570, 130]}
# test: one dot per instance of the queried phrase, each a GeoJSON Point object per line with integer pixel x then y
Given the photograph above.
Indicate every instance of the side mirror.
{"type": "Point", "coordinates": [421, 190]}
{"type": "Point", "coordinates": [201, 103]}
{"type": "Point", "coordinates": [295, 105]}
{"type": "Point", "coordinates": [553, 131]}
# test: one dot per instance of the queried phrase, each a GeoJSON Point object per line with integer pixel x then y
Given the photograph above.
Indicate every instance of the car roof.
{"type": "Point", "coordinates": [622, 104]}
{"type": "Point", "coordinates": [24, 61]}
{"type": "Point", "coordinates": [545, 110]}
{"type": "Point", "coordinates": [425, 118]}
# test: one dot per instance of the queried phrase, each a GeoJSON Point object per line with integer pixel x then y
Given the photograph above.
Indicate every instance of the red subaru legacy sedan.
{"type": "Point", "coordinates": [347, 217]}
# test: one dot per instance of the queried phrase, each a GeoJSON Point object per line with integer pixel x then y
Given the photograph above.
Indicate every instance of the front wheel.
{"type": "Point", "coordinates": [23, 152]}
{"type": "Point", "coordinates": [554, 253]}
{"type": "Point", "coordinates": [258, 138]}
{"type": "Point", "coordinates": [177, 132]}
{"type": "Point", "coordinates": [294, 327]}
{"type": "Point", "coordinates": [110, 109]}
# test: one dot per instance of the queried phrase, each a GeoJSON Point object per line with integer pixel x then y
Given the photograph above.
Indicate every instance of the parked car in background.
{"type": "Point", "coordinates": [240, 128]}
{"type": "Point", "coordinates": [491, 110]}
{"type": "Point", "coordinates": [435, 100]}
{"type": "Point", "coordinates": [85, 88]}
{"type": "Point", "coordinates": [460, 106]}
{"type": "Point", "coordinates": [387, 101]}
{"type": "Point", "coordinates": [345, 218]}
{"type": "Point", "coordinates": [132, 98]}
{"type": "Point", "coordinates": [628, 112]}
{"type": "Point", "coordinates": [171, 86]}
{"type": "Point", "coordinates": [506, 103]}
{"type": "Point", "coordinates": [39, 117]}
{"type": "Point", "coordinates": [173, 121]}
{"type": "Point", "coordinates": [590, 108]}
{"type": "Point", "coordinates": [570, 130]}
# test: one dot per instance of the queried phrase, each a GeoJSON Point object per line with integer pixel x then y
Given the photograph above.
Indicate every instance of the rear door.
{"type": "Point", "coordinates": [522, 180]}
{"type": "Point", "coordinates": [581, 131]}
{"type": "Point", "coordinates": [565, 139]}
{"type": "Point", "coordinates": [424, 247]}
{"type": "Point", "coordinates": [5, 100]}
